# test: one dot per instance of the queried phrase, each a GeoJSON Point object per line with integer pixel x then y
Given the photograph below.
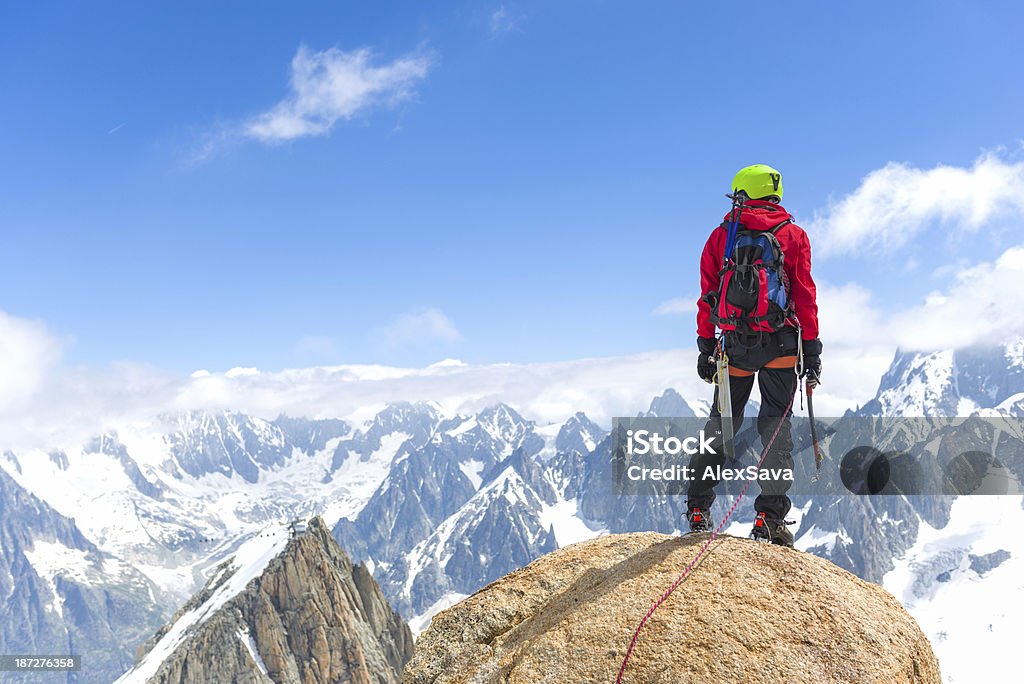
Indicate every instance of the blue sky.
{"type": "Point", "coordinates": [538, 182]}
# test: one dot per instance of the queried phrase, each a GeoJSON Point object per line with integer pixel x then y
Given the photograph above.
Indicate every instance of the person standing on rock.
{"type": "Point", "coordinates": [756, 289]}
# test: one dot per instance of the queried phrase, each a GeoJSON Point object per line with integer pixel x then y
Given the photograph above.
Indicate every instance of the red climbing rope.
{"type": "Point", "coordinates": [682, 576]}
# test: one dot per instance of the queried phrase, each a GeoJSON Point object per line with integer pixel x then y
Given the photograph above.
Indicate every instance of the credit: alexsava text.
{"type": "Point", "coordinates": [681, 473]}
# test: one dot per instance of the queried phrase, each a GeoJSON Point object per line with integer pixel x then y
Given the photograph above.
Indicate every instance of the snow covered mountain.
{"type": "Point", "coordinates": [950, 383]}
{"type": "Point", "coordinates": [437, 505]}
{"type": "Point", "coordinates": [477, 500]}
{"type": "Point", "coordinates": [954, 562]}
{"type": "Point", "coordinates": [64, 595]}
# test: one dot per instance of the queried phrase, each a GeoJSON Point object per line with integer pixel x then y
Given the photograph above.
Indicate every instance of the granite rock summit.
{"type": "Point", "coordinates": [749, 612]}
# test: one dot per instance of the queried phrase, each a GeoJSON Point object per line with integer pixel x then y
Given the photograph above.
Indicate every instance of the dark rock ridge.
{"type": "Point", "coordinates": [989, 561]}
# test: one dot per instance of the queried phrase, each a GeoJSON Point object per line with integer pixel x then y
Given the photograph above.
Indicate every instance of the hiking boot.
{"type": "Point", "coordinates": [774, 531]}
{"type": "Point", "coordinates": [699, 519]}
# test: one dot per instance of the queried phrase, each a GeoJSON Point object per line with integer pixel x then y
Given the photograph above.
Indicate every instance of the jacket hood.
{"type": "Point", "coordinates": [761, 215]}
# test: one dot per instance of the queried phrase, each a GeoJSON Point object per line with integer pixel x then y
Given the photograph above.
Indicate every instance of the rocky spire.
{"type": "Point", "coordinates": [288, 607]}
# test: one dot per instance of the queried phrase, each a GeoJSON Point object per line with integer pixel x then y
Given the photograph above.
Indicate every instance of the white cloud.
{"type": "Point", "coordinates": [429, 325]}
{"type": "Point", "coordinates": [895, 203]}
{"type": "Point", "coordinates": [858, 347]}
{"type": "Point", "coordinates": [504, 19]}
{"type": "Point", "coordinates": [77, 403]}
{"type": "Point", "coordinates": [334, 85]}
{"type": "Point", "coordinates": [28, 352]}
{"type": "Point", "coordinates": [241, 372]}
{"type": "Point", "coordinates": [210, 142]}
{"type": "Point", "coordinates": [679, 305]}
{"type": "Point", "coordinates": [46, 406]}
{"type": "Point", "coordinates": [860, 337]}
{"type": "Point", "coordinates": [982, 304]}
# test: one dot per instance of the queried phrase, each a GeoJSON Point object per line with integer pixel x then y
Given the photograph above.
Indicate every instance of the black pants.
{"type": "Point", "coordinates": [777, 386]}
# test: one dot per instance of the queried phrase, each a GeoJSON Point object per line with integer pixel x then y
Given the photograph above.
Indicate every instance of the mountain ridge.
{"type": "Point", "coordinates": [289, 607]}
{"type": "Point", "coordinates": [427, 471]}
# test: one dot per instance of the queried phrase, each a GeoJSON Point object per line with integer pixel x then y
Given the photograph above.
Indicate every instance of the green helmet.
{"type": "Point", "coordinates": [758, 181]}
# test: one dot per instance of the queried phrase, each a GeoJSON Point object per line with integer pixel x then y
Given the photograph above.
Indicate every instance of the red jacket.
{"type": "Point", "coordinates": [763, 215]}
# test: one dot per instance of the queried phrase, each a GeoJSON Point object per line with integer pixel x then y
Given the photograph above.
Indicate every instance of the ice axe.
{"type": "Point", "coordinates": [724, 398]}
{"type": "Point", "coordinates": [809, 390]}
{"type": "Point", "coordinates": [818, 455]}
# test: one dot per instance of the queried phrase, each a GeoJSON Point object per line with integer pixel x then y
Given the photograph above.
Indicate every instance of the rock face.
{"type": "Point", "coordinates": [307, 616]}
{"type": "Point", "coordinates": [749, 612]}
{"type": "Point", "coordinates": [62, 595]}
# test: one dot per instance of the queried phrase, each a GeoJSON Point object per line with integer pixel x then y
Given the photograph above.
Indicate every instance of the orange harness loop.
{"type": "Point", "coordinates": [781, 362]}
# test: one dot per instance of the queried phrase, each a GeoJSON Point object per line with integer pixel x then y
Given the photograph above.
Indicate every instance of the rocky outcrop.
{"type": "Point", "coordinates": [308, 616]}
{"type": "Point", "coordinates": [749, 612]}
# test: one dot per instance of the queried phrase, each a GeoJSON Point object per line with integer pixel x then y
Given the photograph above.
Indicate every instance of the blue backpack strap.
{"type": "Point", "coordinates": [734, 222]}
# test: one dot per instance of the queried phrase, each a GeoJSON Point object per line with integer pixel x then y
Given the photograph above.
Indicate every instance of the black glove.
{"type": "Point", "coordinates": [706, 366]}
{"type": "Point", "coordinates": [812, 363]}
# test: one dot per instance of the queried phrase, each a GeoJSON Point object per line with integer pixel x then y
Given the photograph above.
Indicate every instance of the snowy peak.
{"type": "Point", "coordinates": [669, 405]}
{"type": "Point", "coordinates": [579, 434]}
{"type": "Point", "coordinates": [500, 528]}
{"type": "Point", "coordinates": [26, 517]}
{"type": "Point", "coordinates": [287, 606]}
{"type": "Point", "coordinates": [950, 382]}
{"type": "Point", "coordinates": [108, 444]}
{"type": "Point", "coordinates": [503, 424]}
{"type": "Point", "coordinates": [527, 468]}
{"type": "Point", "coordinates": [919, 385]}
{"type": "Point", "coordinates": [417, 418]}
{"type": "Point", "coordinates": [226, 443]}
{"type": "Point", "coordinates": [311, 436]}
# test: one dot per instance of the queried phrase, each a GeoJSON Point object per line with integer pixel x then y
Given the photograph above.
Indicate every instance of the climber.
{"type": "Point", "coordinates": [756, 289]}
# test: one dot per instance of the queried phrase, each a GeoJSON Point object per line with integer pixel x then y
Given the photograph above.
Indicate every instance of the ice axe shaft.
{"type": "Point", "coordinates": [725, 400]}
{"type": "Point", "coordinates": [818, 456]}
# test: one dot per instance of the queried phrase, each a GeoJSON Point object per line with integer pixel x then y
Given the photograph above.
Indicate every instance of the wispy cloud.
{"type": "Point", "coordinates": [505, 19]}
{"type": "Point", "coordinates": [333, 85]}
{"type": "Point", "coordinates": [895, 203]}
{"type": "Point", "coordinates": [679, 305]}
{"type": "Point", "coordinates": [428, 325]}
{"type": "Point", "coordinates": [212, 141]}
